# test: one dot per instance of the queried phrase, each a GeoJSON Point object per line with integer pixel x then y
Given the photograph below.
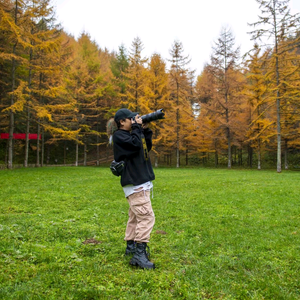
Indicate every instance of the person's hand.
{"type": "Point", "coordinates": [145, 125]}
{"type": "Point", "coordinates": [137, 119]}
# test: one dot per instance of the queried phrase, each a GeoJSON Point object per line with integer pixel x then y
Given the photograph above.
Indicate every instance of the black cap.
{"type": "Point", "coordinates": [124, 113]}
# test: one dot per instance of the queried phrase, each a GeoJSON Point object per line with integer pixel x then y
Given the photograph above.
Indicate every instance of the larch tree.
{"type": "Point", "coordinates": [44, 40]}
{"type": "Point", "coordinates": [12, 29]}
{"type": "Point", "coordinates": [179, 86]}
{"type": "Point", "coordinates": [226, 97]}
{"type": "Point", "coordinates": [157, 95]}
{"type": "Point", "coordinates": [207, 129]}
{"type": "Point", "coordinates": [119, 67]}
{"type": "Point", "coordinates": [5, 69]}
{"type": "Point", "coordinates": [107, 99]}
{"type": "Point", "coordinates": [256, 92]}
{"type": "Point", "coordinates": [289, 67]}
{"type": "Point", "coordinates": [82, 85]}
{"type": "Point", "coordinates": [56, 109]}
{"type": "Point", "coordinates": [137, 79]}
{"type": "Point", "coordinates": [88, 83]}
{"type": "Point", "coordinates": [274, 28]}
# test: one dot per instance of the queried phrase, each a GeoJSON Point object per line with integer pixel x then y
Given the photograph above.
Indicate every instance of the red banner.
{"type": "Point", "coordinates": [20, 136]}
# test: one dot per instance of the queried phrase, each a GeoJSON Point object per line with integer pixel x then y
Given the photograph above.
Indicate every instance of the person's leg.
{"type": "Point", "coordinates": [130, 233]}
{"type": "Point", "coordinates": [140, 204]}
{"type": "Point", "coordinates": [131, 226]}
{"type": "Point", "coordinates": [145, 221]}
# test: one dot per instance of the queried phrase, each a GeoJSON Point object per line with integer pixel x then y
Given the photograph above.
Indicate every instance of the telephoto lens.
{"type": "Point", "coordinates": [159, 114]}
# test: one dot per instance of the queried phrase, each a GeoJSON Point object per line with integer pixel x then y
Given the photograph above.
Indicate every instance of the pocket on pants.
{"type": "Point", "coordinates": [143, 210]}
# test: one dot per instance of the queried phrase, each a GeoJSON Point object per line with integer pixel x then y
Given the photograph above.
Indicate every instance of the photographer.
{"type": "Point", "coordinates": [131, 143]}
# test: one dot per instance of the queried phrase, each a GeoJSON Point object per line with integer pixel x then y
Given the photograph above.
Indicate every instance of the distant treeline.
{"type": "Point", "coordinates": [239, 110]}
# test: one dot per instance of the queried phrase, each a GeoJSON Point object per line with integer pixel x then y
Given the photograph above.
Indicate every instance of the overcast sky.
{"type": "Point", "coordinates": [158, 23]}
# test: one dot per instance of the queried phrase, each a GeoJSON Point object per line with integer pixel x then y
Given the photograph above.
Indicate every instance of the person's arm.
{"type": "Point", "coordinates": [127, 144]}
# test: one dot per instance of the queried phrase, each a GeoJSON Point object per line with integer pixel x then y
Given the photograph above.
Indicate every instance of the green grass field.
{"type": "Point", "coordinates": [219, 234]}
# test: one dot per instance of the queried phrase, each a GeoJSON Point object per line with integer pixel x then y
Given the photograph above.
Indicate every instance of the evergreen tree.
{"type": "Point", "coordinates": [119, 67]}
{"type": "Point", "coordinates": [13, 31]}
{"type": "Point", "coordinates": [277, 23]}
{"type": "Point", "coordinates": [157, 95]}
{"type": "Point", "coordinates": [226, 98]}
{"type": "Point", "coordinates": [137, 79]}
{"type": "Point", "coordinates": [179, 95]}
{"type": "Point", "coordinates": [257, 91]}
{"type": "Point", "coordinates": [43, 56]}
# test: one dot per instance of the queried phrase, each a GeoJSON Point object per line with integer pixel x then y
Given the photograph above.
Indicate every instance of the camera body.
{"type": "Point", "coordinates": [157, 115]}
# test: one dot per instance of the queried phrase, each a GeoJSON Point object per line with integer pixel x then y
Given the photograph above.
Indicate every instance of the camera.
{"type": "Point", "coordinates": [159, 114]}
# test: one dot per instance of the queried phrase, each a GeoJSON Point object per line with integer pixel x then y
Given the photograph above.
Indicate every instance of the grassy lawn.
{"type": "Point", "coordinates": [219, 234]}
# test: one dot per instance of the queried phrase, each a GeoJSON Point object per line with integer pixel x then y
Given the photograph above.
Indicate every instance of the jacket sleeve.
{"type": "Point", "coordinates": [127, 144]}
{"type": "Point", "coordinates": [148, 137]}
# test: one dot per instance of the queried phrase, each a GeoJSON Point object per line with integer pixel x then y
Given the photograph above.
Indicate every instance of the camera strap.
{"type": "Point", "coordinates": [145, 150]}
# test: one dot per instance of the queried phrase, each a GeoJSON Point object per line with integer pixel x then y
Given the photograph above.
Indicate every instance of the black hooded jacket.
{"type": "Point", "coordinates": [128, 146]}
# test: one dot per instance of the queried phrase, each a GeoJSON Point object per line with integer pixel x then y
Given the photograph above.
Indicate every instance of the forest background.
{"type": "Point", "coordinates": [241, 110]}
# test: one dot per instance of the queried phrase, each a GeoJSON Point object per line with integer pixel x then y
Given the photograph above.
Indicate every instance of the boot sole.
{"type": "Point", "coordinates": [135, 263]}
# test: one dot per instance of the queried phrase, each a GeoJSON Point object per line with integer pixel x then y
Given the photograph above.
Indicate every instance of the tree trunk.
{"type": "Point", "coordinates": [48, 155]}
{"type": "Point", "coordinates": [278, 135]}
{"type": "Point", "coordinates": [28, 112]}
{"type": "Point", "coordinates": [6, 154]}
{"type": "Point", "coordinates": [76, 158]}
{"type": "Point", "coordinates": [177, 130]}
{"type": "Point", "coordinates": [84, 154]}
{"type": "Point", "coordinates": [258, 156]}
{"type": "Point", "coordinates": [11, 114]}
{"type": "Point", "coordinates": [65, 153]}
{"type": "Point", "coordinates": [97, 140]}
{"type": "Point", "coordinates": [216, 158]}
{"type": "Point", "coordinates": [11, 135]}
{"type": "Point", "coordinates": [286, 164]}
{"type": "Point", "coordinates": [41, 100]}
{"type": "Point", "coordinates": [156, 161]}
{"type": "Point", "coordinates": [216, 154]}
{"type": "Point", "coordinates": [43, 148]}
{"type": "Point", "coordinates": [98, 152]}
{"type": "Point", "coordinates": [235, 162]}
{"type": "Point", "coordinates": [38, 145]}
{"type": "Point", "coordinates": [277, 97]}
{"type": "Point", "coordinates": [27, 138]}
{"type": "Point", "coordinates": [241, 154]}
{"type": "Point", "coordinates": [229, 148]}
{"type": "Point", "coordinates": [250, 156]}
{"type": "Point", "coordinates": [186, 155]}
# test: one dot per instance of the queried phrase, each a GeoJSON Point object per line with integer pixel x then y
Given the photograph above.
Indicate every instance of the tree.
{"type": "Point", "coordinates": [42, 55]}
{"type": "Point", "coordinates": [14, 33]}
{"type": "Point", "coordinates": [82, 83]}
{"type": "Point", "coordinates": [119, 67]}
{"type": "Point", "coordinates": [88, 85]}
{"type": "Point", "coordinates": [278, 24]}
{"type": "Point", "coordinates": [207, 127]}
{"type": "Point", "coordinates": [179, 95]}
{"type": "Point", "coordinates": [136, 78]}
{"type": "Point", "coordinates": [225, 99]}
{"type": "Point", "coordinates": [289, 67]}
{"type": "Point", "coordinates": [257, 92]}
{"type": "Point", "coordinates": [157, 95]}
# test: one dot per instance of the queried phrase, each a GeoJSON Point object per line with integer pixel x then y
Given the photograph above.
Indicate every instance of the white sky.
{"type": "Point", "coordinates": [158, 23]}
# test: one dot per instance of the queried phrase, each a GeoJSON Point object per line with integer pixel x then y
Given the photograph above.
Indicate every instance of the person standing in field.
{"type": "Point", "coordinates": [132, 142]}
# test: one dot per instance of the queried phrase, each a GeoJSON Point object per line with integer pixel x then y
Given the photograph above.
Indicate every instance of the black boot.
{"type": "Point", "coordinates": [140, 258]}
{"type": "Point", "coordinates": [130, 249]}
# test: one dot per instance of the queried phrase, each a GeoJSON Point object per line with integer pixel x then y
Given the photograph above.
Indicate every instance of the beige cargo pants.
{"type": "Point", "coordinates": [141, 217]}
